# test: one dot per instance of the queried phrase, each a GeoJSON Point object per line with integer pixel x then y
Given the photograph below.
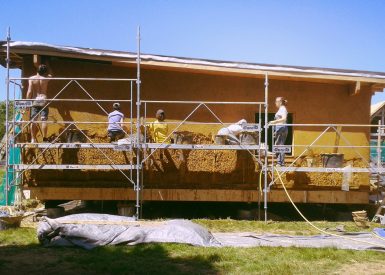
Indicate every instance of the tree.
{"type": "Point", "coordinates": [2, 116]}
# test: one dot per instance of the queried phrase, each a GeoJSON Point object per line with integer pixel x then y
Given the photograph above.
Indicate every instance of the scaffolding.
{"type": "Point", "coordinates": [132, 171]}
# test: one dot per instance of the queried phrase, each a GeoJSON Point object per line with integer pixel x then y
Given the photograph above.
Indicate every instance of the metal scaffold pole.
{"type": "Point", "coordinates": [379, 159]}
{"type": "Point", "coordinates": [6, 120]}
{"type": "Point", "coordinates": [138, 103]}
{"type": "Point", "coordinates": [265, 172]}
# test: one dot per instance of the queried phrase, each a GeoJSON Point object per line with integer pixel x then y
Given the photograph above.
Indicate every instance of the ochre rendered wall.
{"type": "Point", "coordinates": [309, 102]}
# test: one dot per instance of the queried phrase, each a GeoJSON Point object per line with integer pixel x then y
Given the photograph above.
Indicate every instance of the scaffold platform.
{"type": "Point", "coordinates": [129, 147]}
{"type": "Point", "coordinates": [75, 166]}
{"type": "Point", "coordinates": [328, 170]}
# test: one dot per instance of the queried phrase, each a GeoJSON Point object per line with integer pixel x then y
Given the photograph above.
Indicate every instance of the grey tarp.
{"type": "Point", "coordinates": [100, 229]}
{"type": "Point", "coordinates": [359, 241]}
{"type": "Point", "coordinates": [119, 230]}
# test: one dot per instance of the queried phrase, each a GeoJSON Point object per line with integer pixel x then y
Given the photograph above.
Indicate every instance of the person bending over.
{"type": "Point", "coordinates": [232, 131]}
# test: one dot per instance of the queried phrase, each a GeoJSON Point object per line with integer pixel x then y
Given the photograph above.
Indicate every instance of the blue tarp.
{"type": "Point", "coordinates": [379, 231]}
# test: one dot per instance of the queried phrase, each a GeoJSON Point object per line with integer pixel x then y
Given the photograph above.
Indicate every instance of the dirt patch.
{"type": "Point", "coordinates": [367, 268]}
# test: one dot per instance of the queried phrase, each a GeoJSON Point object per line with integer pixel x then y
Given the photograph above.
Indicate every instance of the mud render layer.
{"type": "Point", "coordinates": [192, 173]}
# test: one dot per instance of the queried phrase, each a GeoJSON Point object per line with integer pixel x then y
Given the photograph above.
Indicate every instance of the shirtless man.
{"type": "Point", "coordinates": [37, 89]}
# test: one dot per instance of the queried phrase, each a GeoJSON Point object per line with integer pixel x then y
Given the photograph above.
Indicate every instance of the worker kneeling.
{"type": "Point", "coordinates": [233, 131]}
{"type": "Point", "coordinates": [115, 123]}
{"type": "Point", "coordinates": [159, 128]}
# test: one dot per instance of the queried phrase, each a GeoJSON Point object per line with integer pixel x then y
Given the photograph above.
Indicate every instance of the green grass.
{"type": "Point", "coordinates": [21, 253]}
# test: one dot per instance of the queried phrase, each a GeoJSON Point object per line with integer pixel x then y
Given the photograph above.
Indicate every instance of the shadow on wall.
{"type": "Point", "coordinates": [140, 259]}
{"type": "Point", "coordinates": [164, 169]}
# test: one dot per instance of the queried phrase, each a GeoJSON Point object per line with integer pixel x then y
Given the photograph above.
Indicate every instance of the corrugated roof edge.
{"type": "Point", "coordinates": [129, 56]}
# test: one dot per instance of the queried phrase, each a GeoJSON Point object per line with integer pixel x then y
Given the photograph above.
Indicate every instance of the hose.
{"type": "Point", "coordinates": [319, 229]}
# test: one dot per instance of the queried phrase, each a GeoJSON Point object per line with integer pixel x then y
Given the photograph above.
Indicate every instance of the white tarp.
{"type": "Point", "coordinates": [92, 230]}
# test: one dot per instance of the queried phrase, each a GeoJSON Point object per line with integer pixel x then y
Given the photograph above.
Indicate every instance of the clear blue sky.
{"type": "Point", "coordinates": [324, 33]}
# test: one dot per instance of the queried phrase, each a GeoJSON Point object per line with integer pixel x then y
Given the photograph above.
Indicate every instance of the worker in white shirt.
{"type": "Point", "coordinates": [232, 131]}
{"type": "Point", "coordinates": [281, 130]}
{"type": "Point", "coordinates": [115, 123]}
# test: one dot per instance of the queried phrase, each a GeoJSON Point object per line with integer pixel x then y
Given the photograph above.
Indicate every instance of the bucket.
{"type": "Point", "coordinates": [249, 137]}
{"type": "Point", "coordinates": [332, 160]}
{"type": "Point", "coordinates": [10, 222]}
{"type": "Point", "coordinates": [309, 161]}
{"type": "Point", "coordinates": [183, 138]}
{"type": "Point", "coordinates": [220, 139]}
{"type": "Point", "coordinates": [9, 218]}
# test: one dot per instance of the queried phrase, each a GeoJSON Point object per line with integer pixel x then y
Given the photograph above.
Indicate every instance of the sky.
{"type": "Point", "coordinates": [325, 33]}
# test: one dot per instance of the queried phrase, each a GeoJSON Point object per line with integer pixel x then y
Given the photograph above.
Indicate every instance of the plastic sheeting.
{"type": "Point", "coordinates": [317, 241]}
{"type": "Point", "coordinates": [380, 232]}
{"type": "Point", "coordinates": [92, 230]}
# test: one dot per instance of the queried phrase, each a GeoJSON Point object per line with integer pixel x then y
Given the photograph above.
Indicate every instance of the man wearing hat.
{"type": "Point", "coordinates": [115, 123]}
{"type": "Point", "coordinates": [159, 128]}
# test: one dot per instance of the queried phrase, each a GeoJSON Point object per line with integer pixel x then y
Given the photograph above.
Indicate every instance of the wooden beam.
{"type": "Point", "coordinates": [355, 88]}
{"type": "Point", "coordinates": [217, 195]}
{"type": "Point", "coordinates": [36, 60]}
{"type": "Point", "coordinates": [377, 88]}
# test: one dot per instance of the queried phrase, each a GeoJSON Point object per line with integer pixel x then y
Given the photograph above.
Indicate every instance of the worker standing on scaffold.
{"type": "Point", "coordinates": [37, 90]}
{"type": "Point", "coordinates": [281, 130]}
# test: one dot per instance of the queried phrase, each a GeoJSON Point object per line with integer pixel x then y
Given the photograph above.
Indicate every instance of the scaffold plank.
{"type": "Point", "coordinates": [129, 147]}
{"type": "Point", "coordinates": [330, 170]}
{"type": "Point", "coordinates": [200, 146]}
{"type": "Point", "coordinates": [74, 166]}
{"type": "Point", "coordinates": [66, 145]}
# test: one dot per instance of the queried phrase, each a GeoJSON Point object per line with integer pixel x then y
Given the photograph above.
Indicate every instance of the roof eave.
{"type": "Point", "coordinates": [201, 65]}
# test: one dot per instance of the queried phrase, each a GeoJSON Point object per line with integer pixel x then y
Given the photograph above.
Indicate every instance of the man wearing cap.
{"type": "Point", "coordinates": [159, 129]}
{"type": "Point", "coordinates": [115, 123]}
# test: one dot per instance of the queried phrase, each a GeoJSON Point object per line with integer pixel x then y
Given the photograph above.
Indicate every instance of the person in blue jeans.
{"type": "Point", "coordinates": [281, 130]}
{"type": "Point", "coordinates": [115, 123]}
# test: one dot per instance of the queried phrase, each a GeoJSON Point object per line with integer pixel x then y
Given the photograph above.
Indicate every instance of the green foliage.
{"type": "Point", "coordinates": [2, 116]}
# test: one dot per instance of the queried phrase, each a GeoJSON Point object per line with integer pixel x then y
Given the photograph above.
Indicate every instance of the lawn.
{"type": "Point", "coordinates": [20, 252]}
